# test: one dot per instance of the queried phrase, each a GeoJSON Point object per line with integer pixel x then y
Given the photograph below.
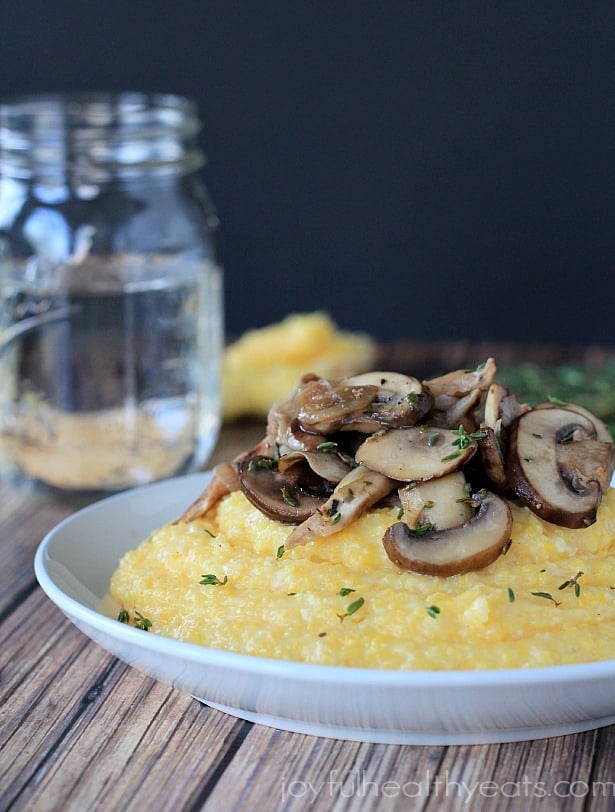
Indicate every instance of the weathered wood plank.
{"type": "Point", "coordinates": [82, 730]}
{"type": "Point", "coordinates": [24, 521]}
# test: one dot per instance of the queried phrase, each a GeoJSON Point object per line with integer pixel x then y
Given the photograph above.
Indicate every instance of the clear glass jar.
{"type": "Point", "coordinates": [110, 292]}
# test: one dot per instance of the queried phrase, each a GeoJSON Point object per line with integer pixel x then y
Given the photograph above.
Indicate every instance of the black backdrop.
{"type": "Point", "coordinates": [417, 169]}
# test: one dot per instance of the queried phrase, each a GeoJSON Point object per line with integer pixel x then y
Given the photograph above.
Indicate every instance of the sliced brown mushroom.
{"type": "Point", "coordinates": [441, 502]}
{"type": "Point", "coordinates": [603, 433]}
{"type": "Point", "coordinates": [470, 546]}
{"type": "Point", "coordinates": [402, 400]}
{"type": "Point", "coordinates": [327, 465]}
{"type": "Point", "coordinates": [501, 410]}
{"type": "Point", "coordinates": [355, 494]}
{"type": "Point", "coordinates": [289, 498]}
{"type": "Point", "coordinates": [363, 403]}
{"type": "Point", "coordinates": [462, 381]}
{"type": "Point", "coordinates": [493, 461]}
{"type": "Point", "coordinates": [415, 454]}
{"type": "Point", "coordinates": [283, 426]}
{"type": "Point", "coordinates": [224, 480]}
{"type": "Point", "coordinates": [557, 467]}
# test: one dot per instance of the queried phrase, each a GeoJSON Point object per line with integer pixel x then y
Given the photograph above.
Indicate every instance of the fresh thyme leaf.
{"type": "Point", "coordinates": [422, 529]}
{"type": "Point", "coordinates": [354, 606]}
{"type": "Point", "coordinates": [546, 595]}
{"type": "Point", "coordinates": [280, 551]}
{"type": "Point", "coordinates": [290, 500]}
{"type": "Point", "coordinates": [212, 580]}
{"type": "Point", "coordinates": [464, 440]}
{"type": "Point", "coordinates": [452, 456]}
{"type": "Point", "coordinates": [261, 464]}
{"type": "Point", "coordinates": [345, 590]}
{"type": "Point", "coordinates": [433, 611]}
{"type": "Point", "coordinates": [123, 616]}
{"type": "Point", "coordinates": [433, 438]}
{"type": "Point", "coordinates": [511, 595]}
{"type": "Point", "coordinates": [573, 582]}
{"type": "Point", "coordinates": [326, 446]}
{"type": "Point", "coordinates": [142, 623]}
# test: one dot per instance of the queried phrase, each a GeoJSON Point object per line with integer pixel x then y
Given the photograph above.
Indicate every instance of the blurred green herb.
{"type": "Point", "coordinates": [589, 385]}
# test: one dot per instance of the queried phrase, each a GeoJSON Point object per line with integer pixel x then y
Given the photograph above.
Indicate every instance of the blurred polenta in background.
{"type": "Point", "coordinates": [264, 364]}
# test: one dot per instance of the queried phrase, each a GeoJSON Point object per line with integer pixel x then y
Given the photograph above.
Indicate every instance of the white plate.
{"type": "Point", "coordinates": [75, 561]}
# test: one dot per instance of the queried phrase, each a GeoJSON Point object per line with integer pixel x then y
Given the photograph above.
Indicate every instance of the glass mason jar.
{"type": "Point", "coordinates": [110, 293]}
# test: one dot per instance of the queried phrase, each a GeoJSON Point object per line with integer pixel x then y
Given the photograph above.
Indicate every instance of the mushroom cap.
{"type": "Point", "coordinates": [289, 498]}
{"type": "Point", "coordinates": [362, 403]}
{"type": "Point", "coordinates": [469, 546]}
{"type": "Point", "coordinates": [556, 466]}
{"type": "Point", "coordinates": [414, 454]}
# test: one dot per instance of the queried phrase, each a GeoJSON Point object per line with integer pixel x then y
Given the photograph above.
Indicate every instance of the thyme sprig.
{"type": "Point", "coordinates": [212, 580]}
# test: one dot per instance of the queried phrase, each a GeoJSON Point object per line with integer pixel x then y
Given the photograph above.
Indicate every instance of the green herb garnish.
{"type": "Point", "coordinates": [290, 500]}
{"type": "Point", "coordinates": [142, 623]}
{"type": "Point", "coordinates": [547, 596]}
{"type": "Point", "coordinates": [212, 580]}
{"type": "Point", "coordinates": [352, 608]}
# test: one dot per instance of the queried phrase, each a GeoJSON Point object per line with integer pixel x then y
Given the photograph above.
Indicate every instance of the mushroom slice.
{"type": "Point", "coordinates": [557, 467]}
{"type": "Point", "coordinates": [449, 411]}
{"type": "Point", "coordinates": [283, 426]}
{"type": "Point", "coordinates": [502, 408]}
{"type": "Point", "coordinates": [493, 462]}
{"type": "Point", "coordinates": [462, 381]}
{"type": "Point", "coordinates": [416, 454]}
{"type": "Point", "coordinates": [469, 546]}
{"type": "Point", "coordinates": [327, 465]}
{"type": "Point", "coordinates": [441, 502]}
{"type": "Point", "coordinates": [224, 480]}
{"type": "Point", "coordinates": [603, 433]}
{"type": "Point", "coordinates": [324, 406]}
{"type": "Point", "coordinates": [355, 494]}
{"type": "Point", "coordinates": [402, 400]}
{"type": "Point", "coordinates": [362, 403]}
{"type": "Point", "coordinates": [289, 498]}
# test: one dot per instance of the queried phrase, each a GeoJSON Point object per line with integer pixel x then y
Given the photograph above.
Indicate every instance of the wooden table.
{"type": "Point", "coordinates": [80, 730]}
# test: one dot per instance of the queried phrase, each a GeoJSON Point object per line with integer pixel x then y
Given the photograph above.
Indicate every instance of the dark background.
{"type": "Point", "coordinates": [417, 169]}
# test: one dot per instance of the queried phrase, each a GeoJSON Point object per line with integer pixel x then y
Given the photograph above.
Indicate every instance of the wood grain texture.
{"type": "Point", "coordinates": [80, 730]}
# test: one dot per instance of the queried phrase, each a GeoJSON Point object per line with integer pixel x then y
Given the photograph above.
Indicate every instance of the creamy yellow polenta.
{"type": "Point", "coordinates": [341, 601]}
